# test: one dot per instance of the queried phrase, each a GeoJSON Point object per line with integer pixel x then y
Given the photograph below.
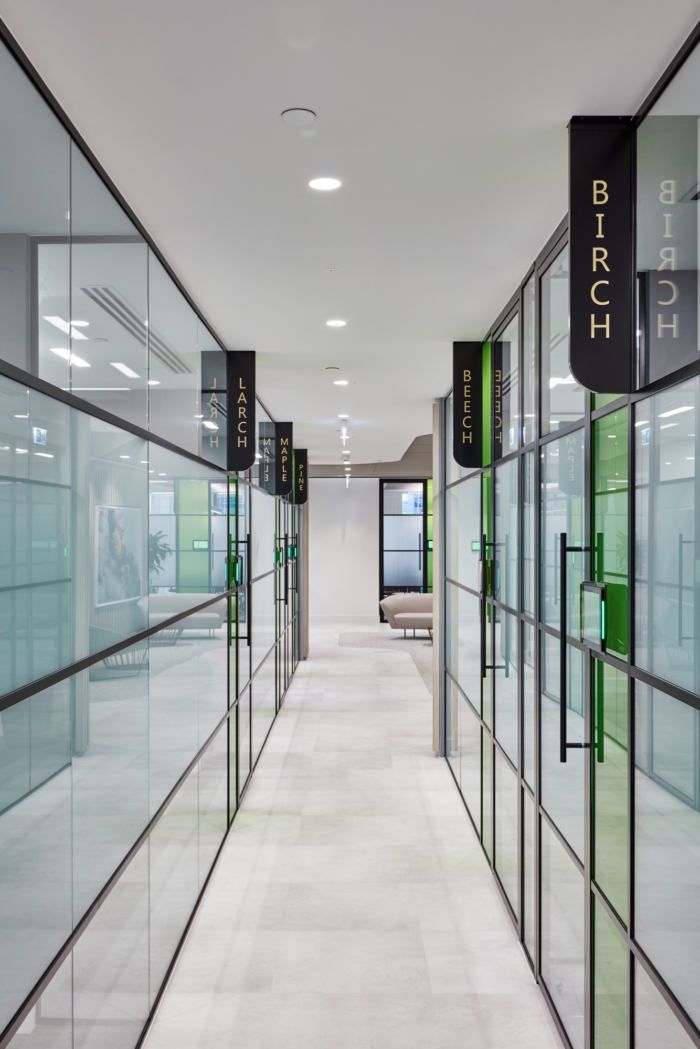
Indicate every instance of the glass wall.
{"type": "Point", "coordinates": [572, 628]}
{"type": "Point", "coordinates": [149, 604]}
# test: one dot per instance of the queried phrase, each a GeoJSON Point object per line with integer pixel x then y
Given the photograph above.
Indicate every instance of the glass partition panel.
{"type": "Point", "coordinates": [264, 618]}
{"type": "Point", "coordinates": [529, 881]}
{"type": "Point", "coordinates": [563, 783]}
{"type": "Point", "coordinates": [610, 989]}
{"type": "Point", "coordinates": [611, 524]}
{"type": "Point", "coordinates": [655, 1025]}
{"type": "Point", "coordinates": [37, 580]}
{"type": "Point", "coordinates": [263, 703]}
{"type": "Point", "coordinates": [111, 724]}
{"type": "Point", "coordinates": [562, 509]}
{"type": "Point", "coordinates": [174, 880]}
{"type": "Point", "coordinates": [213, 800]}
{"type": "Point", "coordinates": [507, 548]}
{"type": "Point", "coordinates": [464, 655]}
{"type": "Point", "coordinates": [667, 623]}
{"type": "Point", "coordinates": [529, 541]}
{"type": "Point", "coordinates": [264, 546]}
{"type": "Point", "coordinates": [506, 830]}
{"type": "Point", "coordinates": [562, 917]}
{"type": "Point", "coordinates": [506, 390]}
{"type": "Point", "coordinates": [563, 399]}
{"type": "Point", "coordinates": [667, 839]}
{"type": "Point", "coordinates": [529, 699]}
{"type": "Point", "coordinates": [34, 230]}
{"type": "Point", "coordinates": [35, 839]}
{"type": "Point", "coordinates": [463, 529]}
{"type": "Point", "coordinates": [529, 427]}
{"type": "Point", "coordinates": [108, 330]}
{"type": "Point", "coordinates": [487, 792]}
{"type": "Point", "coordinates": [610, 784]}
{"type": "Point", "coordinates": [506, 679]}
{"type": "Point", "coordinates": [111, 1001]}
{"type": "Point", "coordinates": [470, 759]}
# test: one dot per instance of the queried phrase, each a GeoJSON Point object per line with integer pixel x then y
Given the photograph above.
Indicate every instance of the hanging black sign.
{"type": "Point", "coordinates": [240, 383]}
{"type": "Point", "coordinates": [601, 253]}
{"type": "Point", "coordinates": [267, 453]}
{"type": "Point", "coordinates": [301, 464]}
{"type": "Point", "coordinates": [214, 415]}
{"type": "Point", "coordinates": [283, 458]}
{"type": "Point", "coordinates": [467, 371]}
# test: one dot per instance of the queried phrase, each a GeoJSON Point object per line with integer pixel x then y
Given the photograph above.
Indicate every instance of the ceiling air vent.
{"type": "Point", "coordinates": [120, 311]}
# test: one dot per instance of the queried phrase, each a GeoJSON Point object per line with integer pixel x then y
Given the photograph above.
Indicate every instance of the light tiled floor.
{"type": "Point", "coordinates": [352, 906]}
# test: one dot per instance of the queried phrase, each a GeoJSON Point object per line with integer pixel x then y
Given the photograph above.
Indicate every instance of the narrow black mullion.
{"type": "Point", "coordinates": [589, 843]}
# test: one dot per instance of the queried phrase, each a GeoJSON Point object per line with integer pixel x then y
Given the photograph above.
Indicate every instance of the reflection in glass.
{"type": "Point", "coordinates": [109, 299]}
{"type": "Point", "coordinates": [563, 783]}
{"type": "Point", "coordinates": [463, 524]}
{"type": "Point", "coordinates": [506, 830]}
{"type": "Point", "coordinates": [487, 792]}
{"type": "Point", "coordinates": [562, 511]}
{"type": "Point", "coordinates": [655, 1024]}
{"type": "Point", "coordinates": [610, 784]}
{"type": "Point", "coordinates": [667, 839]}
{"type": "Point", "coordinates": [463, 653]}
{"type": "Point", "coordinates": [562, 397]}
{"type": "Point", "coordinates": [506, 678]}
{"type": "Point", "coordinates": [562, 917]}
{"type": "Point", "coordinates": [610, 990]}
{"type": "Point", "coordinates": [111, 964]}
{"type": "Point", "coordinates": [507, 549]}
{"type": "Point", "coordinates": [529, 882]}
{"type": "Point", "coordinates": [470, 759]}
{"type": "Point", "coordinates": [529, 428]}
{"type": "Point", "coordinates": [611, 524]}
{"type": "Point", "coordinates": [666, 501]}
{"type": "Point", "coordinates": [506, 409]}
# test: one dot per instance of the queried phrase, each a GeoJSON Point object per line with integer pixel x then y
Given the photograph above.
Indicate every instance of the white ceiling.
{"type": "Point", "coordinates": [445, 119]}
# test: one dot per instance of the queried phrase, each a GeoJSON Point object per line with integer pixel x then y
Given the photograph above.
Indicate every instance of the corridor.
{"type": "Point", "coordinates": [352, 907]}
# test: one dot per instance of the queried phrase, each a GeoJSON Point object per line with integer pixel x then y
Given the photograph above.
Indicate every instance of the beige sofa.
{"type": "Point", "coordinates": [409, 612]}
{"type": "Point", "coordinates": [157, 608]}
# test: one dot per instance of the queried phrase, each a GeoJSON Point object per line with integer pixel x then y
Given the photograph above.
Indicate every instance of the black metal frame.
{"type": "Point", "coordinates": [634, 674]}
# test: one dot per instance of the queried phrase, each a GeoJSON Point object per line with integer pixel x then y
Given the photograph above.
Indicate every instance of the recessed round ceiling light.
{"type": "Point", "coordinates": [325, 183]}
{"type": "Point", "coordinates": [343, 416]}
{"type": "Point", "coordinates": [340, 382]}
{"type": "Point", "coordinates": [298, 116]}
{"type": "Point", "coordinates": [336, 322]}
{"type": "Point", "coordinates": [154, 382]}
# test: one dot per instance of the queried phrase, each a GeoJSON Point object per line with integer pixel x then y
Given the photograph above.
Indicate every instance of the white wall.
{"type": "Point", "coordinates": [343, 547]}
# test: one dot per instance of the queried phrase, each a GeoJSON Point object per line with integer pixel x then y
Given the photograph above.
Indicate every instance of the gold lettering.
{"type": "Point", "coordinates": [599, 259]}
{"type": "Point", "coordinates": [596, 300]}
{"type": "Point", "coordinates": [602, 325]}
{"type": "Point", "coordinates": [242, 399]}
{"type": "Point", "coordinates": [668, 191]}
{"type": "Point", "coordinates": [467, 377]}
{"type": "Point", "coordinates": [661, 327]}
{"type": "Point", "coordinates": [600, 191]}
{"type": "Point", "coordinates": [600, 215]}
{"type": "Point", "coordinates": [466, 438]}
{"type": "Point", "coordinates": [669, 258]}
{"type": "Point", "coordinates": [674, 293]}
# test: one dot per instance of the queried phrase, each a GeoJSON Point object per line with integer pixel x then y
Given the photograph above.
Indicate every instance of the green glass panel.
{"type": "Point", "coordinates": [611, 784]}
{"type": "Point", "coordinates": [601, 399]}
{"type": "Point", "coordinates": [192, 497]}
{"type": "Point", "coordinates": [486, 403]}
{"type": "Point", "coordinates": [611, 523]}
{"type": "Point", "coordinates": [192, 530]}
{"type": "Point", "coordinates": [429, 557]}
{"type": "Point", "coordinates": [610, 980]}
{"type": "Point", "coordinates": [193, 571]}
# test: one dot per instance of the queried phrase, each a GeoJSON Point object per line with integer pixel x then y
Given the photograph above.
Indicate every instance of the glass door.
{"type": "Point", "coordinates": [405, 538]}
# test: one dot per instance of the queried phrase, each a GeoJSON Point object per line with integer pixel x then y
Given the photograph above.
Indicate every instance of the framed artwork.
{"type": "Point", "coordinates": [119, 554]}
